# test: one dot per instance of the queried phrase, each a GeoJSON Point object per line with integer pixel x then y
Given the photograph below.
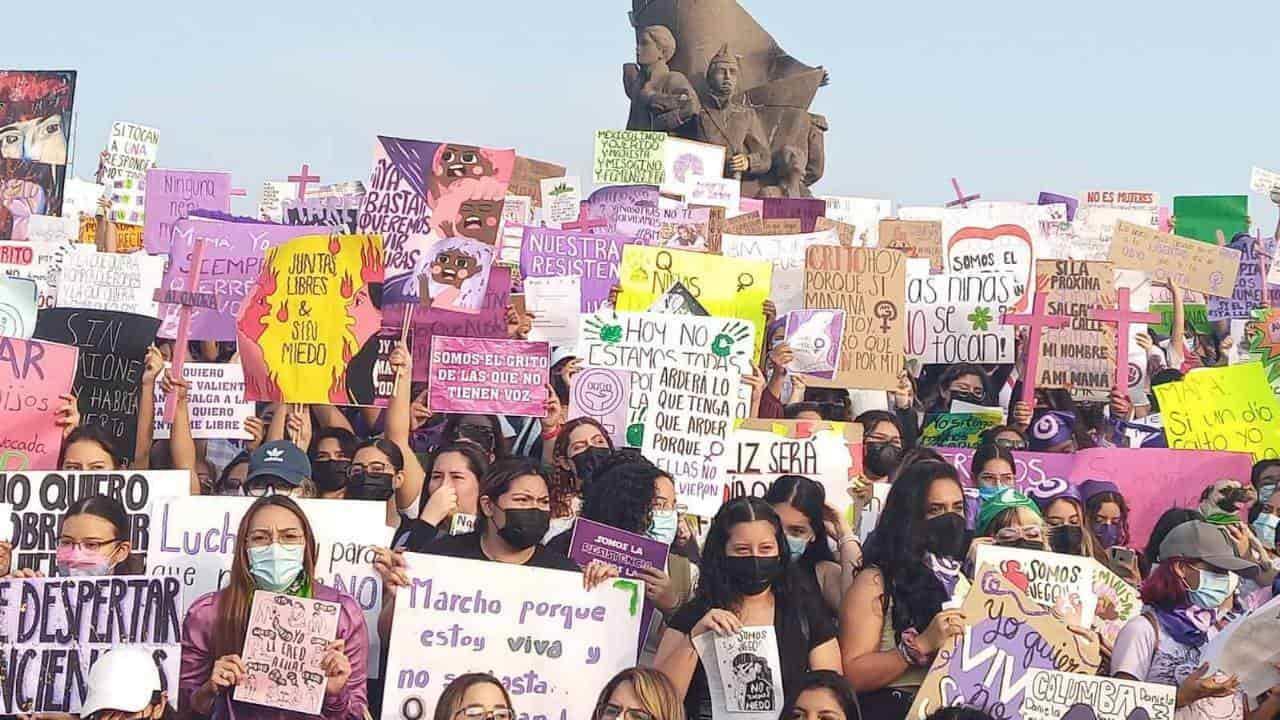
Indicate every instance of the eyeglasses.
{"type": "Point", "coordinates": [1014, 533]}
{"type": "Point", "coordinates": [613, 712]}
{"type": "Point", "coordinates": [262, 538]}
{"type": "Point", "coordinates": [89, 546]}
{"type": "Point", "coordinates": [271, 486]}
{"type": "Point", "coordinates": [1008, 444]}
{"type": "Point", "coordinates": [479, 712]}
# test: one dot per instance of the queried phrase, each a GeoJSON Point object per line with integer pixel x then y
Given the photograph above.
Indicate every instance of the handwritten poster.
{"type": "Point", "coordinates": [527, 175]}
{"type": "Point", "coordinates": [172, 194]}
{"type": "Point", "coordinates": [561, 198]}
{"type": "Point", "coordinates": [869, 285]}
{"type": "Point", "coordinates": [33, 374]}
{"type": "Point", "coordinates": [507, 377]}
{"type": "Point", "coordinates": [215, 400]}
{"type": "Point", "coordinates": [1250, 290]}
{"type": "Point", "coordinates": [52, 229]}
{"type": "Point", "coordinates": [426, 323]}
{"type": "Point", "coordinates": [1054, 580]}
{"type": "Point", "coordinates": [39, 498]}
{"type": "Point", "coordinates": [113, 348]}
{"type": "Point", "coordinates": [553, 643]}
{"type": "Point", "coordinates": [687, 228]}
{"type": "Point", "coordinates": [131, 151]}
{"type": "Point", "coordinates": [54, 630]}
{"type": "Point", "coordinates": [806, 210]}
{"type": "Point", "coordinates": [786, 254]}
{"type": "Point", "coordinates": [628, 157]}
{"type": "Point", "coordinates": [1006, 636]}
{"type": "Point", "coordinates": [951, 429]}
{"type": "Point", "coordinates": [35, 261]}
{"type": "Point", "coordinates": [304, 334]}
{"type": "Point", "coordinates": [915, 238]}
{"type": "Point", "coordinates": [628, 210]}
{"type": "Point", "coordinates": [863, 213]}
{"type": "Point", "coordinates": [744, 672]}
{"type": "Point", "coordinates": [1222, 408]}
{"type": "Point", "coordinates": [110, 281]}
{"type": "Point", "coordinates": [1080, 356]}
{"type": "Point", "coordinates": [954, 318]}
{"type": "Point", "coordinates": [594, 258]}
{"type": "Point", "coordinates": [761, 451]}
{"type": "Point", "coordinates": [193, 538]}
{"type": "Point", "coordinates": [629, 552]}
{"type": "Point", "coordinates": [687, 429]}
{"type": "Point", "coordinates": [726, 287]}
{"type": "Point", "coordinates": [603, 395]}
{"type": "Point", "coordinates": [1187, 263]}
{"type": "Point", "coordinates": [283, 646]}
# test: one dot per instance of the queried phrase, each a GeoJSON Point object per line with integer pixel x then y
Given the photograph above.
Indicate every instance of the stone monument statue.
{"type": "Point", "coordinates": [728, 121]}
{"type": "Point", "coordinates": [777, 87]}
{"type": "Point", "coordinates": [661, 99]}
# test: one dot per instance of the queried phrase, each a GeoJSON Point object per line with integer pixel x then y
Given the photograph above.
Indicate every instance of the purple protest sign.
{"type": "Point", "coordinates": [627, 551]}
{"type": "Point", "coordinates": [488, 377]}
{"type": "Point", "coordinates": [546, 252]}
{"type": "Point", "coordinates": [808, 210]}
{"type": "Point", "coordinates": [172, 195]}
{"type": "Point", "coordinates": [1247, 293]}
{"type": "Point", "coordinates": [1037, 474]}
{"type": "Point", "coordinates": [814, 337]}
{"type": "Point", "coordinates": [630, 211]}
{"type": "Point", "coordinates": [490, 322]}
{"type": "Point", "coordinates": [233, 257]}
{"type": "Point", "coordinates": [602, 394]}
{"type": "Point", "coordinates": [1048, 198]}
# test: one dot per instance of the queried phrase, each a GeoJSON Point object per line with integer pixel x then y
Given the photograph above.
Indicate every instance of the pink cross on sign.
{"type": "Point", "coordinates": [584, 222]}
{"type": "Point", "coordinates": [961, 199]}
{"type": "Point", "coordinates": [303, 179]}
{"type": "Point", "coordinates": [1036, 320]}
{"type": "Point", "coordinates": [184, 321]}
{"type": "Point", "coordinates": [1122, 317]}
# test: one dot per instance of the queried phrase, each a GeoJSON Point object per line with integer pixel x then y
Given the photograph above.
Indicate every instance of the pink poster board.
{"type": "Point", "coordinates": [498, 377]}
{"type": "Point", "coordinates": [33, 374]}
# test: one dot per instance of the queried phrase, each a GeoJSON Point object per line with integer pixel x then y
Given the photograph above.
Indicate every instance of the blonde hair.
{"type": "Point", "coordinates": [655, 691]}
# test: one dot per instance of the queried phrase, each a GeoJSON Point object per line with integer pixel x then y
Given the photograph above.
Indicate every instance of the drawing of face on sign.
{"type": "Point", "coordinates": [468, 206]}
{"type": "Point", "coordinates": [458, 274]}
{"type": "Point", "coordinates": [754, 683]}
{"type": "Point", "coordinates": [452, 163]}
{"type": "Point", "coordinates": [995, 249]}
{"type": "Point", "coordinates": [35, 115]}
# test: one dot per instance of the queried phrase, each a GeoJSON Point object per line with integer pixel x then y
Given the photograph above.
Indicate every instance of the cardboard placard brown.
{"type": "Point", "coordinates": [1187, 263]}
{"type": "Point", "coordinates": [870, 285]}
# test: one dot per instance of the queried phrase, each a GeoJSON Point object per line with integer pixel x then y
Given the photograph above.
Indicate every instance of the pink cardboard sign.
{"type": "Point", "coordinates": [498, 377]}
{"type": "Point", "coordinates": [32, 376]}
{"type": "Point", "coordinates": [603, 394]}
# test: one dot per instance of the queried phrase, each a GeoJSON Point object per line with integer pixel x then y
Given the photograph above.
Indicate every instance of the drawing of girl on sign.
{"type": "Point", "coordinates": [457, 274]}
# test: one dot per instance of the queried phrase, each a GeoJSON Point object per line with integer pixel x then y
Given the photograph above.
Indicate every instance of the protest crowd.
{"type": "Point", "coordinates": [464, 440]}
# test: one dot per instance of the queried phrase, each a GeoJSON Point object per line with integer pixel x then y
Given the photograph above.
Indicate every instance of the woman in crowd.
{"type": "Point", "coordinates": [801, 505]}
{"type": "Point", "coordinates": [992, 469]}
{"type": "Point", "coordinates": [1190, 596]}
{"type": "Point", "coordinates": [94, 540]}
{"type": "Point", "coordinates": [892, 622]}
{"type": "Point", "coordinates": [453, 487]}
{"type": "Point", "coordinates": [746, 579]}
{"type": "Point", "coordinates": [1011, 519]}
{"type": "Point", "coordinates": [638, 694]}
{"type": "Point", "coordinates": [376, 473]}
{"type": "Point", "coordinates": [962, 382]}
{"type": "Point", "coordinates": [330, 454]}
{"type": "Point", "coordinates": [89, 448]}
{"type": "Point", "coordinates": [275, 550]}
{"type": "Point", "coordinates": [1064, 517]}
{"type": "Point", "coordinates": [1107, 517]}
{"type": "Point", "coordinates": [882, 444]}
{"type": "Point", "coordinates": [822, 695]}
{"type": "Point", "coordinates": [1265, 477]}
{"type": "Point", "coordinates": [581, 446]}
{"type": "Point", "coordinates": [470, 696]}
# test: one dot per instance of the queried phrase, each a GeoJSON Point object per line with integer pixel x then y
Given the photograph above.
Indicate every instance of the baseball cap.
{"type": "Point", "coordinates": [281, 459]}
{"type": "Point", "coordinates": [124, 679]}
{"type": "Point", "coordinates": [1200, 540]}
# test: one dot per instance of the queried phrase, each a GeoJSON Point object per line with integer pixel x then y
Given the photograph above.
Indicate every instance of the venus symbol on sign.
{"type": "Point", "coordinates": [602, 391]}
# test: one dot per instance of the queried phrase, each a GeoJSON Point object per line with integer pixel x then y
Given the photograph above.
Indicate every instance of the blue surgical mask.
{"type": "Point", "coordinates": [275, 567]}
{"type": "Point", "coordinates": [1265, 492]}
{"type": "Point", "coordinates": [1214, 589]}
{"type": "Point", "coordinates": [1265, 528]}
{"type": "Point", "coordinates": [986, 493]}
{"type": "Point", "coordinates": [797, 545]}
{"type": "Point", "coordinates": [663, 526]}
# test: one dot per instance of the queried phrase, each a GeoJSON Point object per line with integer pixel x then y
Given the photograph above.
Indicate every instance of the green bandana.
{"type": "Point", "coordinates": [1004, 500]}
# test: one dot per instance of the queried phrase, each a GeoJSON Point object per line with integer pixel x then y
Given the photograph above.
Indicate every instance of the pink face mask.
{"type": "Point", "coordinates": [77, 562]}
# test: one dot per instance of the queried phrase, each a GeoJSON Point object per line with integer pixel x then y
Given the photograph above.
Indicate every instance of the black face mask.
{"type": "Point", "coordinates": [751, 575]}
{"type": "Point", "coordinates": [976, 398]}
{"type": "Point", "coordinates": [945, 535]}
{"type": "Point", "coordinates": [370, 486]}
{"type": "Point", "coordinates": [1067, 539]}
{"type": "Point", "coordinates": [525, 527]}
{"type": "Point", "coordinates": [330, 475]}
{"type": "Point", "coordinates": [881, 458]}
{"type": "Point", "coordinates": [588, 461]}
{"type": "Point", "coordinates": [1024, 544]}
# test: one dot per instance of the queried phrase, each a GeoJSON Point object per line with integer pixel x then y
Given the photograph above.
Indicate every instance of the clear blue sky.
{"type": "Point", "coordinates": [1012, 96]}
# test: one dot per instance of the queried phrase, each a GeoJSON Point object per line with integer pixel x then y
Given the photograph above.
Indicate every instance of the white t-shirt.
{"type": "Point", "coordinates": [1150, 655]}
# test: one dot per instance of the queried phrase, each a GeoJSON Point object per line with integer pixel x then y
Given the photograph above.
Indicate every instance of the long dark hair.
{"type": "Point", "coordinates": [235, 600]}
{"type": "Point", "coordinates": [911, 591]}
{"type": "Point", "coordinates": [345, 438]}
{"type": "Point", "coordinates": [111, 510]}
{"type": "Point", "coordinates": [714, 588]}
{"type": "Point", "coordinates": [477, 463]}
{"type": "Point", "coordinates": [810, 498]}
{"type": "Point", "coordinates": [985, 454]}
{"type": "Point", "coordinates": [562, 484]}
{"type": "Point", "coordinates": [386, 447]}
{"type": "Point", "coordinates": [954, 372]}
{"type": "Point", "coordinates": [449, 433]}
{"type": "Point", "coordinates": [1093, 503]}
{"type": "Point", "coordinates": [98, 435]}
{"type": "Point", "coordinates": [829, 680]}
{"type": "Point", "coordinates": [621, 495]}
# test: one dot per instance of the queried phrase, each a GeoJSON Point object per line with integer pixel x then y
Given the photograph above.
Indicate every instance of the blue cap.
{"type": "Point", "coordinates": [281, 459]}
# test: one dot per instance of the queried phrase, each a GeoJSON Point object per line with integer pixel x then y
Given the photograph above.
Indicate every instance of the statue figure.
{"type": "Point", "coordinates": [726, 120]}
{"type": "Point", "coordinates": [772, 84]}
{"type": "Point", "coordinates": [661, 99]}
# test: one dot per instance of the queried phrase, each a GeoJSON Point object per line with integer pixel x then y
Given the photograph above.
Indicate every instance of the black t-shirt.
{"type": "Point", "coordinates": [801, 626]}
{"type": "Point", "coordinates": [467, 547]}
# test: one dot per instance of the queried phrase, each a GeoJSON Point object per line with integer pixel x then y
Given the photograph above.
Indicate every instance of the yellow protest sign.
{"type": "Point", "coordinates": [1226, 408]}
{"type": "Point", "coordinates": [725, 286]}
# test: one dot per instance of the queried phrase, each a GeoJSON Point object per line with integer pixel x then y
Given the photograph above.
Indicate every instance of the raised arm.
{"type": "Point", "coordinates": [399, 423]}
